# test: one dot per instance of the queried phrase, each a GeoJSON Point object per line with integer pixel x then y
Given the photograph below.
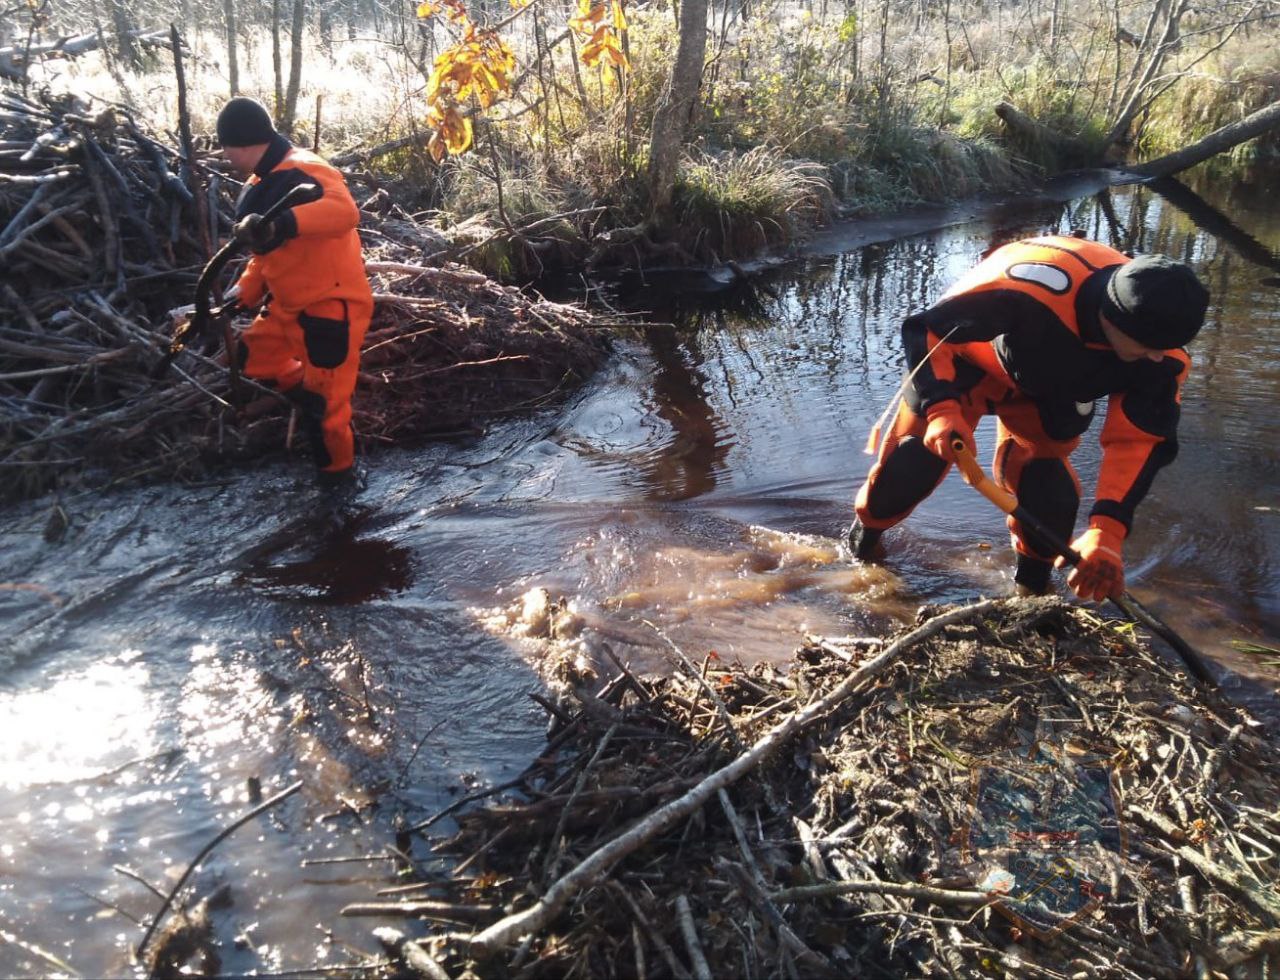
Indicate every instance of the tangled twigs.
{"type": "Point", "coordinates": [865, 845]}
{"type": "Point", "coordinates": [590, 870]}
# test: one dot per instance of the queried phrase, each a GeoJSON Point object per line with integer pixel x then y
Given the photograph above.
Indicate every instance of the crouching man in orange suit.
{"type": "Point", "coordinates": [307, 264]}
{"type": "Point", "coordinates": [1035, 335]}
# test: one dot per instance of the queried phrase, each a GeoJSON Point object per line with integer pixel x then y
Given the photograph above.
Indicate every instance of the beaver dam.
{"type": "Point", "coordinates": [1008, 788]}
{"type": "Point", "coordinates": [103, 230]}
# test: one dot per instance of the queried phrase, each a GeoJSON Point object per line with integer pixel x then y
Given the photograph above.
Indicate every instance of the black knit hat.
{"type": "Point", "coordinates": [1156, 301]}
{"type": "Point", "coordinates": [244, 122]}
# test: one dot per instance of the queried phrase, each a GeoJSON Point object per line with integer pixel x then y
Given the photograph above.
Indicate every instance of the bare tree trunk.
{"type": "Point", "coordinates": [577, 77]}
{"type": "Point", "coordinates": [855, 44]}
{"type": "Point", "coordinates": [325, 27]}
{"type": "Point", "coordinates": [946, 96]}
{"type": "Point", "coordinates": [1115, 79]}
{"type": "Point", "coordinates": [187, 171]}
{"type": "Point", "coordinates": [671, 119]}
{"type": "Point", "coordinates": [295, 66]}
{"type": "Point", "coordinates": [233, 66]}
{"type": "Point", "coordinates": [128, 51]}
{"type": "Point", "coordinates": [1136, 92]}
{"type": "Point", "coordinates": [278, 72]}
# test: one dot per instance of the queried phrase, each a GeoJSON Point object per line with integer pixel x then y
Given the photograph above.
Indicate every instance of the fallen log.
{"type": "Point", "coordinates": [1068, 149]}
{"type": "Point", "coordinates": [15, 59]}
{"type": "Point", "coordinates": [1219, 141]}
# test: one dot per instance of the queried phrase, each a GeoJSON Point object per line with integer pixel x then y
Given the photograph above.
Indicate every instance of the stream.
{"type": "Point", "coordinates": [176, 642]}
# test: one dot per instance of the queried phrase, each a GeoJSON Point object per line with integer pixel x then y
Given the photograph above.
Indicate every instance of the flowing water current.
{"type": "Point", "coordinates": [178, 641]}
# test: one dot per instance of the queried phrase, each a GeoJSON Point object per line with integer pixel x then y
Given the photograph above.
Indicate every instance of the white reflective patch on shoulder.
{"type": "Point", "coordinates": [1084, 408]}
{"type": "Point", "coordinates": [1042, 274]}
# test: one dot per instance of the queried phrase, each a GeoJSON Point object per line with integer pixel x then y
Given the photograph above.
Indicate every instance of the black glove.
{"type": "Point", "coordinates": [261, 236]}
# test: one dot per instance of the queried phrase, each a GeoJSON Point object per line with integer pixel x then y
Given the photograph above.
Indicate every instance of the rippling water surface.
{"type": "Point", "coordinates": [178, 641]}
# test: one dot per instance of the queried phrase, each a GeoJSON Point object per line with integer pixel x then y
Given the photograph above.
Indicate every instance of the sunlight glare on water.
{"type": "Point", "coordinates": [80, 725]}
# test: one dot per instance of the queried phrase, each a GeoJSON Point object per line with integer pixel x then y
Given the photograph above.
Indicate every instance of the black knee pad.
{"type": "Point", "coordinates": [908, 475]}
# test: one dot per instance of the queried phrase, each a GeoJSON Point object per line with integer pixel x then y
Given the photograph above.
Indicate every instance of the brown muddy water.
{"type": "Point", "coordinates": [178, 641]}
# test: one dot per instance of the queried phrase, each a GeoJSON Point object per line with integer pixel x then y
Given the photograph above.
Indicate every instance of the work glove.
{"type": "Point", "coordinates": [230, 302]}
{"type": "Point", "coordinates": [1100, 574]}
{"type": "Point", "coordinates": [259, 235]}
{"type": "Point", "coordinates": [249, 293]}
{"type": "Point", "coordinates": [946, 422]}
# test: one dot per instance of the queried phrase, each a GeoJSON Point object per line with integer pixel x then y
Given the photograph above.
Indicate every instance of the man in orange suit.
{"type": "Point", "coordinates": [1035, 334]}
{"type": "Point", "coordinates": [307, 265]}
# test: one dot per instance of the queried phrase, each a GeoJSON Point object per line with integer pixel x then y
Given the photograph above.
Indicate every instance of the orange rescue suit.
{"type": "Point", "coordinates": [1018, 337]}
{"type": "Point", "coordinates": [307, 340]}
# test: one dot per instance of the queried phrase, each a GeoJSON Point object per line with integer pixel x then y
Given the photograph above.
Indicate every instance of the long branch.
{"type": "Point", "coordinates": [597, 864]}
{"type": "Point", "coordinates": [262, 807]}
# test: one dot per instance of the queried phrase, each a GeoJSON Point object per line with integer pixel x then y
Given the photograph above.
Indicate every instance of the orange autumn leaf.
{"type": "Point", "coordinates": [600, 25]}
{"type": "Point", "coordinates": [453, 132]}
{"type": "Point", "coordinates": [480, 66]}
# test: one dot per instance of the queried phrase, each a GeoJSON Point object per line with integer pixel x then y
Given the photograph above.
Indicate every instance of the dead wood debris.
{"type": "Point", "coordinates": [103, 232]}
{"type": "Point", "coordinates": [850, 845]}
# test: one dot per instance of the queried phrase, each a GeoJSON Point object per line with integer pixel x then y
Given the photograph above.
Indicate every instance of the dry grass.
{"type": "Point", "coordinates": [732, 203]}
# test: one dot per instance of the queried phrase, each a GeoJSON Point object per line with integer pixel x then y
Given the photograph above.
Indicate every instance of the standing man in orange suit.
{"type": "Point", "coordinates": [307, 265]}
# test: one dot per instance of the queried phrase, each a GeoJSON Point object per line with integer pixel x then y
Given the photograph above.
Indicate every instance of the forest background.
{"type": "Point", "coordinates": [543, 134]}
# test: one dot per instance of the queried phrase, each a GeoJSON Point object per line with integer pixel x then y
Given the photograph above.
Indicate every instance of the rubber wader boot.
{"type": "Point", "coordinates": [338, 493]}
{"type": "Point", "coordinates": [1031, 576]}
{"type": "Point", "coordinates": [864, 542]}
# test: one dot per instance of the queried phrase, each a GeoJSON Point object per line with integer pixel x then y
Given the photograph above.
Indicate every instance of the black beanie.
{"type": "Point", "coordinates": [244, 122]}
{"type": "Point", "coordinates": [1158, 302]}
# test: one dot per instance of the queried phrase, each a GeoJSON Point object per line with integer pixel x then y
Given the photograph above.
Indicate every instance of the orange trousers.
{"type": "Point", "coordinates": [1028, 463]}
{"type": "Point", "coordinates": [313, 357]}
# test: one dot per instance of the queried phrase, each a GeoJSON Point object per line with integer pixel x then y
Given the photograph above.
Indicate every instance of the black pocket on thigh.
{"type": "Point", "coordinates": [326, 340]}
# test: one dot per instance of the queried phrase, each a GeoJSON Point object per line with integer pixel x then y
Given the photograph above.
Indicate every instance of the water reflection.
{"type": "Point", "coordinates": [341, 568]}
{"type": "Point", "coordinates": [56, 733]}
{"type": "Point", "coordinates": [686, 466]}
{"type": "Point", "coordinates": [1208, 218]}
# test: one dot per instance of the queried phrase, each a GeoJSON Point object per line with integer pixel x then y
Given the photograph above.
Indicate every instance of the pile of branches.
{"type": "Point", "coordinates": [829, 819]}
{"type": "Point", "coordinates": [103, 232]}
